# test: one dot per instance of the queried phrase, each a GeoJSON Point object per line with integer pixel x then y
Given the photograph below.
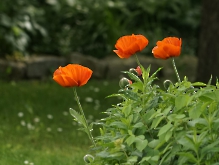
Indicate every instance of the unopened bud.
{"type": "Point", "coordinates": [124, 82]}
{"type": "Point", "coordinates": [138, 70]}
{"type": "Point", "coordinates": [132, 70]}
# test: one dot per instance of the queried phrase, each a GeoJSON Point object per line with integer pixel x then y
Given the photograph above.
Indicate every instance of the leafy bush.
{"type": "Point", "coordinates": [174, 125]}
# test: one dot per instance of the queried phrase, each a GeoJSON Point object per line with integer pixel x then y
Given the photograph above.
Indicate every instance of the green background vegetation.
{"type": "Point", "coordinates": [92, 27]}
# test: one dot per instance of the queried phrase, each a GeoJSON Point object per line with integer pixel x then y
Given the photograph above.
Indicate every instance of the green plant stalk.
{"type": "Point", "coordinates": [82, 113]}
{"type": "Point", "coordinates": [177, 74]}
{"type": "Point", "coordinates": [137, 60]}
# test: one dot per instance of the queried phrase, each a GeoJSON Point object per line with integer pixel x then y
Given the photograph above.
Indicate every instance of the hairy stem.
{"type": "Point", "coordinates": [84, 118]}
{"type": "Point", "coordinates": [177, 74]}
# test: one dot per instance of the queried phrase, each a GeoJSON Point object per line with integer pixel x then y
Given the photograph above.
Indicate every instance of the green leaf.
{"type": "Point", "coordinates": [168, 135]}
{"type": "Point", "coordinates": [145, 159]}
{"type": "Point", "coordinates": [133, 76]}
{"type": "Point", "coordinates": [196, 110]}
{"type": "Point", "coordinates": [145, 73]}
{"type": "Point", "coordinates": [153, 143]}
{"type": "Point", "coordinates": [187, 143]}
{"type": "Point", "coordinates": [126, 110]}
{"type": "Point", "coordinates": [210, 148]}
{"type": "Point", "coordinates": [140, 142]}
{"type": "Point", "coordinates": [181, 101]}
{"type": "Point", "coordinates": [77, 117]}
{"type": "Point", "coordinates": [209, 82]}
{"type": "Point", "coordinates": [138, 125]}
{"type": "Point", "coordinates": [154, 74]}
{"type": "Point", "coordinates": [198, 121]}
{"type": "Point", "coordinates": [190, 157]}
{"type": "Point", "coordinates": [118, 124]}
{"type": "Point", "coordinates": [198, 84]}
{"type": "Point", "coordinates": [130, 140]}
{"type": "Point", "coordinates": [129, 94]}
{"type": "Point", "coordinates": [137, 85]}
{"type": "Point", "coordinates": [157, 121]}
{"type": "Point", "coordinates": [165, 128]}
{"type": "Point", "coordinates": [132, 159]}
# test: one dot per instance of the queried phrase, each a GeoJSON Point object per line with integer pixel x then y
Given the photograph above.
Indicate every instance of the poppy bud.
{"type": "Point", "coordinates": [124, 82]}
{"type": "Point", "coordinates": [134, 71]}
{"type": "Point", "coordinates": [138, 70]}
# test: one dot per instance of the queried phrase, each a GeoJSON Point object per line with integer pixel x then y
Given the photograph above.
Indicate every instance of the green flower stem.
{"type": "Point", "coordinates": [138, 62]}
{"type": "Point", "coordinates": [177, 74]}
{"type": "Point", "coordinates": [84, 118]}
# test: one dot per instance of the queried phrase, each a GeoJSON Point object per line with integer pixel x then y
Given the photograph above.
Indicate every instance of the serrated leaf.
{"type": "Point", "coordinates": [133, 76]}
{"type": "Point", "coordinates": [129, 94]}
{"type": "Point", "coordinates": [77, 116]}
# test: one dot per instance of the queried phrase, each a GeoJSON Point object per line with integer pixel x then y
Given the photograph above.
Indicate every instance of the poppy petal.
{"type": "Point", "coordinates": [129, 45]}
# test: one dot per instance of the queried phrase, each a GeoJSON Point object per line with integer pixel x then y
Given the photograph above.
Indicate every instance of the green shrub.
{"type": "Point", "coordinates": [174, 125]}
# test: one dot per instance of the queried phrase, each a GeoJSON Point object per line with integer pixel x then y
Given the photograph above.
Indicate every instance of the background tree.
{"type": "Point", "coordinates": [208, 51]}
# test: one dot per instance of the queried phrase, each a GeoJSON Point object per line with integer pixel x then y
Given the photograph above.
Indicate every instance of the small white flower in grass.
{"type": "Point", "coordinates": [96, 107]}
{"type": "Point", "coordinates": [91, 87]}
{"type": "Point", "coordinates": [36, 120]}
{"type": "Point", "coordinates": [59, 129]}
{"type": "Point", "coordinates": [49, 129]}
{"type": "Point", "coordinates": [97, 102]}
{"type": "Point", "coordinates": [26, 162]}
{"type": "Point", "coordinates": [89, 99]}
{"type": "Point", "coordinates": [20, 114]}
{"type": "Point", "coordinates": [49, 116]}
{"type": "Point", "coordinates": [105, 83]}
{"type": "Point", "coordinates": [23, 123]}
{"type": "Point", "coordinates": [96, 89]}
{"type": "Point", "coordinates": [65, 113]}
{"type": "Point", "coordinates": [30, 126]}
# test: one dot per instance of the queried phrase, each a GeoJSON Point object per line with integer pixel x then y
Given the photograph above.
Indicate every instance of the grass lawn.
{"type": "Point", "coordinates": [35, 125]}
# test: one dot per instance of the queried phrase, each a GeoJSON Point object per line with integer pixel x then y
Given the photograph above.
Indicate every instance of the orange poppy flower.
{"type": "Point", "coordinates": [129, 45]}
{"type": "Point", "coordinates": [72, 75]}
{"type": "Point", "coordinates": [168, 47]}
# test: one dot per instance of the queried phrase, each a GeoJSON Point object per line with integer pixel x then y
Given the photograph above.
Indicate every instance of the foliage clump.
{"type": "Point", "coordinates": [174, 125]}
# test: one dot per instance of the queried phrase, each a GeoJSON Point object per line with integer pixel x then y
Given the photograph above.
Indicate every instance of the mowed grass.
{"type": "Point", "coordinates": [35, 125]}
